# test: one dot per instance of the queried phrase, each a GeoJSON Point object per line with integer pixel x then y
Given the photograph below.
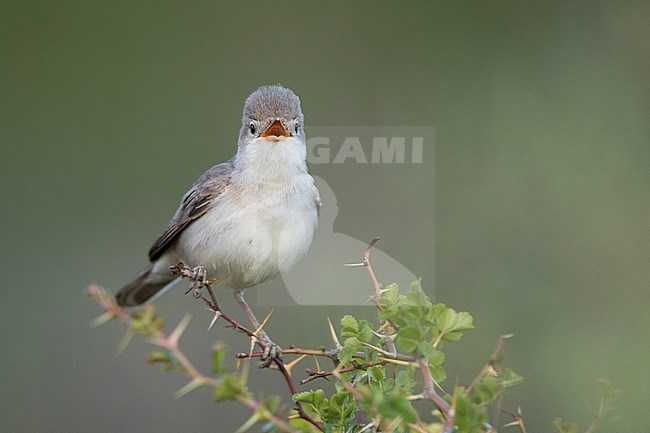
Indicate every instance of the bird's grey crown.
{"type": "Point", "coordinates": [270, 102]}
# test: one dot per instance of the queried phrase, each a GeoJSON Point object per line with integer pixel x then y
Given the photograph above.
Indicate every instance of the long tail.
{"type": "Point", "coordinates": [141, 288]}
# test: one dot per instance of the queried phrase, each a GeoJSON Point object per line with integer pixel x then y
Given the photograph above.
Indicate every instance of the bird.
{"type": "Point", "coordinates": [247, 219]}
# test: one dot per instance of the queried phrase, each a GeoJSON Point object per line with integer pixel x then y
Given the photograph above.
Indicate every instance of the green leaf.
{"type": "Point", "coordinates": [158, 356]}
{"type": "Point", "coordinates": [349, 350]}
{"type": "Point", "coordinates": [315, 397]}
{"type": "Point", "coordinates": [365, 331]}
{"type": "Point", "coordinates": [389, 296]}
{"type": "Point", "coordinates": [350, 327]}
{"type": "Point", "coordinates": [218, 359]}
{"type": "Point", "coordinates": [510, 378]}
{"type": "Point", "coordinates": [404, 379]}
{"type": "Point", "coordinates": [469, 417]}
{"type": "Point", "coordinates": [486, 390]}
{"type": "Point", "coordinates": [439, 374]}
{"type": "Point", "coordinates": [232, 388]}
{"type": "Point", "coordinates": [376, 373]}
{"type": "Point", "coordinates": [433, 355]}
{"type": "Point", "coordinates": [416, 297]}
{"type": "Point", "coordinates": [408, 338]}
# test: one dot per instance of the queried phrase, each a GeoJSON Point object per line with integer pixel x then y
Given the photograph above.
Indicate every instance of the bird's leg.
{"type": "Point", "coordinates": [271, 350]}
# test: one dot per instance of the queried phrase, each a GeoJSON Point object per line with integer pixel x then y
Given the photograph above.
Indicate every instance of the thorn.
{"type": "Point", "coordinates": [317, 363]}
{"type": "Point", "coordinates": [377, 349]}
{"type": "Point", "coordinates": [353, 265]}
{"type": "Point", "coordinates": [254, 340]}
{"type": "Point", "coordinates": [102, 318]}
{"type": "Point", "coordinates": [395, 361]}
{"type": "Point", "coordinates": [156, 341]}
{"type": "Point", "coordinates": [125, 341]}
{"type": "Point", "coordinates": [266, 319]}
{"type": "Point", "coordinates": [249, 423]}
{"type": "Point", "coordinates": [415, 397]}
{"type": "Point", "coordinates": [454, 399]}
{"type": "Point", "coordinates": [290, 365]}
{"type": "Point", "coordinates": [217, 314]}
{"type": "Point", "coordinates": [255, 336]}
{"type": "Point", "coordinates": [337, 343]}
{"type": "Point", "coordinates": [195, 383]}
{"type": "Point", "coordinates": [369, 425]}
{"type": "Point", "coordinates": [182, 325]}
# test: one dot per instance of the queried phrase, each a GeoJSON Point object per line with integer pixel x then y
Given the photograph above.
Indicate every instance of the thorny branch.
{"type": "Point", "coordinates": [213, 305]}
{"type": "Point", "coordinates": [385, 354]}
{"type": "Point", "coordinates": [170, 342]}
{"type": "Point", "coordinates": [429, 390]}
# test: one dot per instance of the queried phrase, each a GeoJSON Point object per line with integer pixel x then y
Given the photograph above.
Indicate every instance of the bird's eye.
{"type": "Point", "coordinates": [296, 128]}
{"type": "Point", "coordinates": [252, 128]}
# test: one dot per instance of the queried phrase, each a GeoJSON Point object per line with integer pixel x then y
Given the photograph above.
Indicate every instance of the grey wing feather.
{"type": "Point", "coordinates": [195, 203]}
{"type": "Point", "coordinates": [319, 203]}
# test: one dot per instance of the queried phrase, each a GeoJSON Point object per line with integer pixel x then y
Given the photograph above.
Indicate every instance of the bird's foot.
{"type": "Point", "coordinates": [198, 276]}
{"type": "Point", "coordinates": [272, 352]}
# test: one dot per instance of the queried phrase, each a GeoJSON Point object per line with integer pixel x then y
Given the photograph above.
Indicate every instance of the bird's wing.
{"type": "Point", "coordinates": [319, 203]}
{"type": "Point", "coordinates": [196, 202]}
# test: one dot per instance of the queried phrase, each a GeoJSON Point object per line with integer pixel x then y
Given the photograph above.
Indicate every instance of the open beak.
{"type": "Point", "coordinates": [275, 129]}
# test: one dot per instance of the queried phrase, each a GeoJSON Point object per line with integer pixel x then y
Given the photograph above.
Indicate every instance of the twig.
{"type": "Point", "coordinates": [518, 420]}
{"type": "Point", "coordinates": [366, 263]}
{"type": "Point", "coordinates": [332, 354]}
{"type": "Point", "coordinates": [326, 373]}
{"type": "Point", "coordinates": [429, 390]}
{"type": "Point", "coordinates": [214, 306]}
{"type": "Point", "coordinates": [493, 360]}
{"type": "Point", "coordinates": [170, 342]}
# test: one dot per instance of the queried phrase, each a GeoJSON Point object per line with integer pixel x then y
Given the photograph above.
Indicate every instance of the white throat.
{"type": "Point", "coordinates": [262, 162]}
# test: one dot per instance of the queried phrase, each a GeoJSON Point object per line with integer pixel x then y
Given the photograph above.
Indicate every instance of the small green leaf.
{"type": "Point", "coordinates": [486, 390]}
{"type": "Point", "coordinates": [389, 295]}
{"type": "Point", "coordinates": [350, 348]}
{"type": "Point", "coordinates": [404, 378]}
{"type": "Point", "coordinates": [439, 374]}
{"type": "Point", "coordinates": [433, 355]}
{"type": "Point", "coordinates": [510, 378]}
{"type": "Point", "coordinates": [218, 359]}
{"type": "Point", "coordinates": [365, 331]}
{"type": "Point", "coordinates": [408, 338]}
{"type": "Point", "coordinates": [315, 397]}
{"type": "Point", "coordinates": [232, 388]}
{"type": "Point", "coordinates": [350, 327]}
{"type": "Point", "coordinates": [159, 356]}
{"type": "Point", "coordinates": [416, 297]}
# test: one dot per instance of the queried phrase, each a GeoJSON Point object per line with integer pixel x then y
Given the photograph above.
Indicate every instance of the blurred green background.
{"type": "Point", "coordinates": [110, 110]}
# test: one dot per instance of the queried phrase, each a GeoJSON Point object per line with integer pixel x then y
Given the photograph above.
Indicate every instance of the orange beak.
{"type": "Point", "coordinates": [276, 129]}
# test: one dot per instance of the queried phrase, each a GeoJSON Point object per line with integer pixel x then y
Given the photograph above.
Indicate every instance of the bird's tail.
{"type": "Point", "coordinates": [142, 288]}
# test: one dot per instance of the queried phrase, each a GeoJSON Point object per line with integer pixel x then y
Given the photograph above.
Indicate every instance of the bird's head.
{"type": "Point", "coordinates": [272, 114]}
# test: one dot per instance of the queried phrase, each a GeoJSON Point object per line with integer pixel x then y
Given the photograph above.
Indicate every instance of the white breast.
{"type": "Point", "coordinates": [255, 229]}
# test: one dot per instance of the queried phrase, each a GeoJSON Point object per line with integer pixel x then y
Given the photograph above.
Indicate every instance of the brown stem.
{"type": "Point", "coordinates": [332, 354]}
{"type": "Point", "coordinates": [494, 359]}
{"type": "Point", "coordinates": [326, 373]}
{"type": "Point", "coordinates": [429, 390]}
{"type": "Point", "coordinates": [375, 282]}
{"type": "Point", "coordinates": [214, 306]}
{"type": "Point", "coordinates": [170, 344]}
